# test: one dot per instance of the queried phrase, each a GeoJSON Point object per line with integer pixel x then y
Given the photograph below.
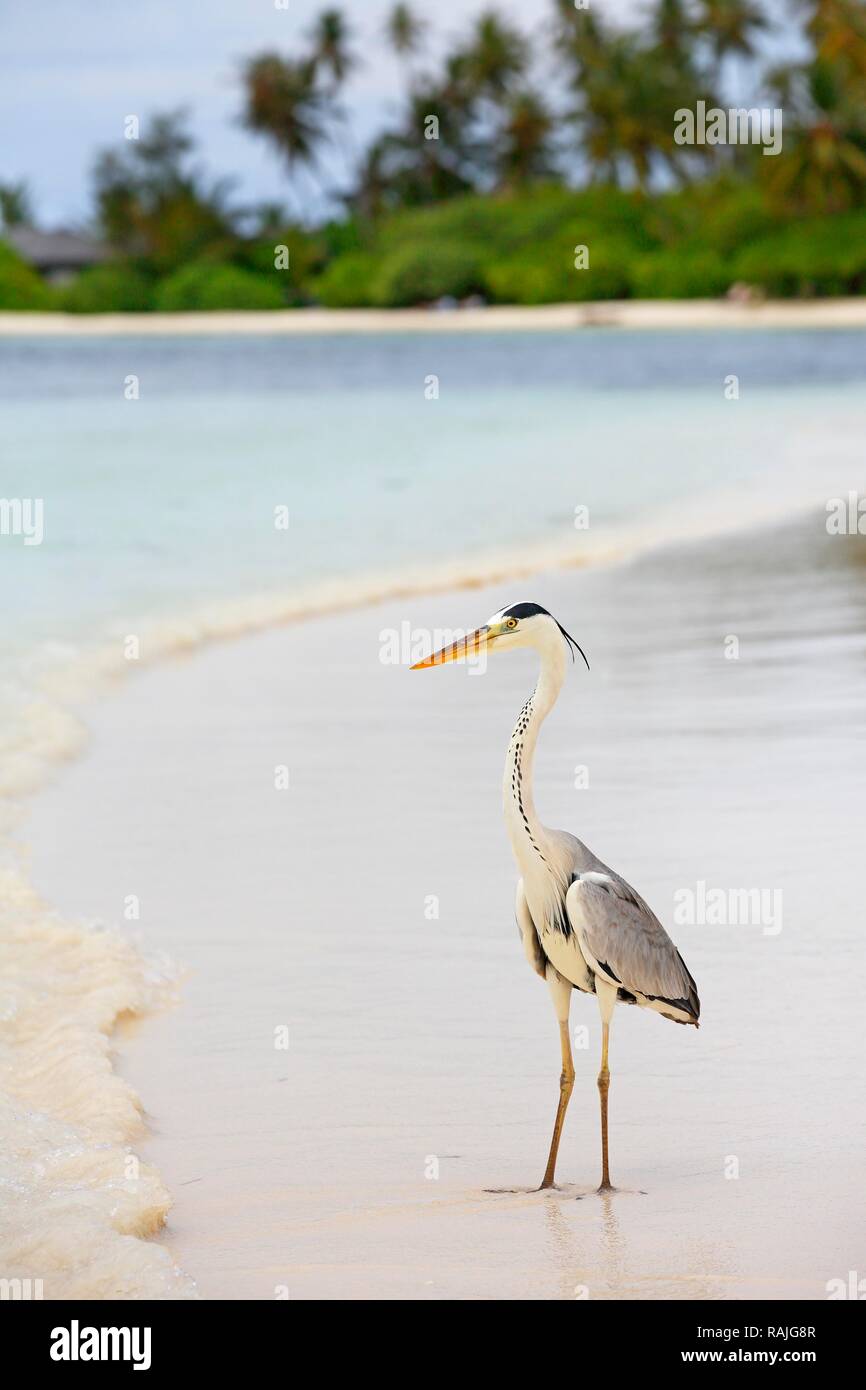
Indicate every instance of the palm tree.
{"type": "Point", "coordinates": [267, 218]}
{"type": "Point", "coordinates": [524, 152]}
{"type": "Point", "coordinates": [579, 41]}
{"type": "Point", "coordinates": [672, 27]}
{"type": "Point", "coordinates": [153, 203]}
{"type": "Point", "coordinates": [440, 168]}
{"type": "Point", "coordinates": [457, 85]}
{"type": "Point", "coordinates": [160, 153]}
{"type": "Point", "coordinates": [627, 87]}
{"type": "Point", "coordinates": [627, 96]}
{"type": "Point", "coordinates": [823, 165]}
{"type": "Point", "coordinates": [374, 189]}
{"type": "Point", "coordinates": [284, 104]}
{"type": "Point", "coordinates": [730, 25]}
{"type": "Point", "coordinates": [495, 55]}
{"type": "Point", "coordinates": [838, 30]}
{"type": "Point", "coordinates": [404, 30]}
{"type": "Point", "coordinates": [16, 208]}
{"type": "Point", "coordinates": [330, 38]}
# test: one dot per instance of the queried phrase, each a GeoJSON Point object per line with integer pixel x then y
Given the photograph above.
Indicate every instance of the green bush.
{"type": "Point", "coordinates": [741, 217]}
{"type": "Point", "coordinates": [422, 272]}
{"type": "Point", "coordinates": [548, 275]}
{"type": "Point", "coordinates": [21, 287]}
{"type": "Point", "coordinates": [626, 217]}
{"type": "Point", "coordinates": [349, 282]}
{"type": "Point", "coordinates": [339, 238]}
{"type": "Point", "coordinates": [607, 275]}
{"type": "Point", "coordinates": [516, 248]}
{"type": "Point", "coordinates": [107, 289]}
{"type": "Point", "coordinates": [306, 256]}
{"type": "Point", "coordinates": [500, 225]}
{"type": "Point", "coordinates": [208, 286]}
{"type": "Point", "coordinates": [524, 280]}
{"type": "Point", "coordinates": [468, 220]}
{"type": "Point", "coordinates": [684, 273]}
{"type": "Point", "coordinates": [815, 257]}
{"type": "Point", "coordinates": [720, 216]}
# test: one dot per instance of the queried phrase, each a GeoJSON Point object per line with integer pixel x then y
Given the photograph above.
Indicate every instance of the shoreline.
{"type": "Point", "coordinates": [631, 315]}
{"type": "Point", "coordinates": [325, 1140]}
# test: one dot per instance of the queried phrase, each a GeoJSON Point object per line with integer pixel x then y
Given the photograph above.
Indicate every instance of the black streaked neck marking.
{"type": "Point", "coordinates": [517, 770]}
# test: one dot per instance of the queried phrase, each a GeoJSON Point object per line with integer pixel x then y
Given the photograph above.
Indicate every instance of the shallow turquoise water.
{"type": "Point", "coordinates": [156, 505]}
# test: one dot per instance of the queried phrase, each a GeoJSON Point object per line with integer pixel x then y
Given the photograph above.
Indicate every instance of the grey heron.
{"type": "Point", "coordinates": [583, 926]}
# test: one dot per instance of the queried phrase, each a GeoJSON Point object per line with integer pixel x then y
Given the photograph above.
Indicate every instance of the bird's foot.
{"type": "Point", "coordinates": [604, 1188]}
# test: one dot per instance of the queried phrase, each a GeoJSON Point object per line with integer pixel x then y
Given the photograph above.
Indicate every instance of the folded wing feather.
{"type": "Point", "coordinates": [622, 936]}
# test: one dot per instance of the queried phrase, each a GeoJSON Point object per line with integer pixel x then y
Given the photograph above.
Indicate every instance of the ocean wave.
{"type": "Point", "coordinates": [77, 1200]}
{"type": "Point", "coordinates": [42, 730]}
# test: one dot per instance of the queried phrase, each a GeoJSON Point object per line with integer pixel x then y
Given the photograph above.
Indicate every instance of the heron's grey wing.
{"type": "Point", "coordinates": [626, 943]}
{"type": "Point", "coordinates": [531, 944]}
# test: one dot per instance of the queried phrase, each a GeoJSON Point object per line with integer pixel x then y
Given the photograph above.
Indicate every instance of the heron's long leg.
{"type": "Point", "coordinates": [603, 1088]}
{"type": "Point", "coordinates": [566, 1086]}
{"type": "Point", "coordinates": [605, 993]}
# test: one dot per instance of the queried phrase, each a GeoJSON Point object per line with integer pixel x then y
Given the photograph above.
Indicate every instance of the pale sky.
{"type": "Point", "coordinates": [75, 68]}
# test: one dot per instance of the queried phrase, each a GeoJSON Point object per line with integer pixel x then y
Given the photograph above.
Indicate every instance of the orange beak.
{"type": "Point", "coordinates": [458, 651]}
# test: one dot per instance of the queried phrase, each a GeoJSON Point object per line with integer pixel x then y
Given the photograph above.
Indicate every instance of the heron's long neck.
{"type": "Point", "coordinates": [528, 836]}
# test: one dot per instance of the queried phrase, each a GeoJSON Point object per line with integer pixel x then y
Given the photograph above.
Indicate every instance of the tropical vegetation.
{"type": "Point", "coordinates": [520, 169]}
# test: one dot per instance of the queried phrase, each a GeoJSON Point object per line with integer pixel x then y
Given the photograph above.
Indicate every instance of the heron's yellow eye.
{"type": "Point", "coordinates": [512, 622]}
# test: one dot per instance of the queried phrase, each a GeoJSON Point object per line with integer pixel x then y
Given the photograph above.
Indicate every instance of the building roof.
{"type": "Point", "coordinates": [45, 250]}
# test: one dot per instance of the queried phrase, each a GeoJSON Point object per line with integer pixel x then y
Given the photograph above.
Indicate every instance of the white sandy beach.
{"type": "Point", "coordinates": [419, 1045]}
{"type": "Point", "coordinates": [646, 314]}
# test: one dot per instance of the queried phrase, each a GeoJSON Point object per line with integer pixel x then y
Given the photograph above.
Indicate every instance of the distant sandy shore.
{"type": "Point", "coordinates": [632, 314]}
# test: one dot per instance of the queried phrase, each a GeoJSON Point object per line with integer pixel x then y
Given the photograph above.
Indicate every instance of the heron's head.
{"type": "Point", "coordinates": [520, 625]}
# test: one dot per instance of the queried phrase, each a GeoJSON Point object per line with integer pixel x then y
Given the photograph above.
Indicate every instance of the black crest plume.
{"type": "Point", "coordinates": [528, 610]}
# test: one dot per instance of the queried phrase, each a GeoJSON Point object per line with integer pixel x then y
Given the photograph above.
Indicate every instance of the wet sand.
{"type": "Point", "coordinates": [422, 1062]}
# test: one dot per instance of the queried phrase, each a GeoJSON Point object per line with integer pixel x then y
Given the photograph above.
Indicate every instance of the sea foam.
{"type": "Point", "coordinates": [77, 1200]}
